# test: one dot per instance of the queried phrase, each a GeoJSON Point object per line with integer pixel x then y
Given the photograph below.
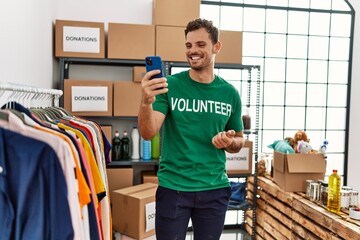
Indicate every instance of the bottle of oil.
{"type": "Point", "coordinates": [334, 201]}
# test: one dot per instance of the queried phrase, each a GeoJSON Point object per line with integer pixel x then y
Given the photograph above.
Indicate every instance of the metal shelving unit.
{"type": "Point", "coordinates": [64, 68]}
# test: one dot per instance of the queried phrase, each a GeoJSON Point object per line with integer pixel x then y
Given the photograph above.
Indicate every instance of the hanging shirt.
{"type": "Point", "coordinates": [66, 160]}
{"type": "Point", "coordinates": [98, 183]}
{"type": "Point", "coordinates": [33, 190]}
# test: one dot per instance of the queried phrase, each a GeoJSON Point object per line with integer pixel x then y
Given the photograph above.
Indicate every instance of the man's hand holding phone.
{"type": "Point", "coordinates": [153, 82]}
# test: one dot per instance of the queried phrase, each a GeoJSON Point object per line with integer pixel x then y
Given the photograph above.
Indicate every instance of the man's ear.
{"type": "Point", "coordinates": [217, 47]}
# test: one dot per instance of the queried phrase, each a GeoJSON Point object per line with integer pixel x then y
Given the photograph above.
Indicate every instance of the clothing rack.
{"type": "Point", "coordinates": [24, 93]}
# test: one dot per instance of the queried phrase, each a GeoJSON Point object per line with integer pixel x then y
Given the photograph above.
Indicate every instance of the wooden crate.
{"type": "Point", "coordinates": [287, 215]}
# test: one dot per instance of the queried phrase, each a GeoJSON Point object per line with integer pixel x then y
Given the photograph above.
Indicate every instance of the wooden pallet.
{"type": "Point", "coordinates": [287, 215]}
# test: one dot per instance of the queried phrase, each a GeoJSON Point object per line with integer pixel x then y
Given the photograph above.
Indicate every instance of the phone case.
{"type": "Point", "coordinates": [152, 63]}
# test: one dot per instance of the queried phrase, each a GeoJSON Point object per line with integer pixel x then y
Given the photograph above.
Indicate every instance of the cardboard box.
{"type": "Point", "coordinates": [133, 210]}
{"type": "Point", "coordinates": [231, 47]}
{"type": "Point", "coordinates": [108, 132]}
{"type": "Point", "coordinates": [292, 170]}
{"type": "Point", "coordinates": [241, 162]}
{"type": "Point", "coordinates": [79, 39]}
{"type": "Point", "coordinates": [130, 41]}
{"type": "Point", "coordinates": [138, 73]}
{"type": "Point", "coordinates": [149, 177]}
{"type": "Point", "coordinates": [124, 237]}
{"type": "Point", "coordinates": [119, 178]}
{"type": "Point", "coordinates": [170, 43]}
{"type": "Point", "coordinates": [127, 97]}
{"type": "Point", "coordinates": [174, 12]}
{"type": "Point", "coordinates": [88, 97]}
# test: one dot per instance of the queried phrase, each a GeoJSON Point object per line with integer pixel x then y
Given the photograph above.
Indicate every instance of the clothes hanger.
{"type": "Point", "coordinates": [4, 116]}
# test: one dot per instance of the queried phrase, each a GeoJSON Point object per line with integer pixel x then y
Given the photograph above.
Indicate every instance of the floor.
{"type": "Point", "coordinates": [228, 234]}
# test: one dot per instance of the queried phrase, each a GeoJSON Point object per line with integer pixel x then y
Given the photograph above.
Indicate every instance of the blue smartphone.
{"type": "Point", "coordinates": [152, 63]}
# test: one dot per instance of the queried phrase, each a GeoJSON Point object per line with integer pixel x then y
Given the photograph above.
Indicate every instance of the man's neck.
{"type": "Point", "coordinates": [202, 76]}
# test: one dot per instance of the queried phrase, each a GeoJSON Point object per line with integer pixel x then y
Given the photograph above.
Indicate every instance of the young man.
{"type": "Point", "coordinates": [201, 117]}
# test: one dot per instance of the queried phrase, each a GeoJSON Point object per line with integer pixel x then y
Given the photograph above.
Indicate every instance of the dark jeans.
{"type": "Point", "coordinates": [206, 209]}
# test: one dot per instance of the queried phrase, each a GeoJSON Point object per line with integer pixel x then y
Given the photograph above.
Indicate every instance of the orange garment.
{"type": "Point", "coordinates": [97, 180]}
{"type": "Point", "coordinates": [84, 190]}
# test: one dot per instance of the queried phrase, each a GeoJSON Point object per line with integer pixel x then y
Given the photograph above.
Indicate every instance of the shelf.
{"type": "Point", "coordinates": [103, 61]}
{"type": "Point", "coordinates": [133, 163]}
{"type": "Point", "coordinates": [243, 207]}
{"type": "Point", "coordinates": [253, 77]}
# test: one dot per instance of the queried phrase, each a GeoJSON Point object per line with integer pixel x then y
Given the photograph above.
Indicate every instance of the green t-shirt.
{"type": "Point", "coordinates": [195, 112]}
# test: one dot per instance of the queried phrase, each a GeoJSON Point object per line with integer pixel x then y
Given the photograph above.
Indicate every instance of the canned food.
{"type": "Point", "coordinates": [308, 190]}
{"type": "Point", "coordinates": [324, 192]}
{"type": "Point", "coordinates": [314, 191]}
{"type": "Point", "coordinates": [345, 198]}
{"type": "Point", "coordinates": [354, 198]}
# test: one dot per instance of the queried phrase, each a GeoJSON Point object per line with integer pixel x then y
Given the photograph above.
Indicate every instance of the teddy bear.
{"type": "Point", "coordinates": [299, 136]}
{"type": "Point", "coordinates": [262, 168]}
{"type": "Point", "coordinates": [291, 141]}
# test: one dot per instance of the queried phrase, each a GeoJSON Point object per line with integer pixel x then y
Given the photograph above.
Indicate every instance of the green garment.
{"type": "Point", "coordinates": [195, 112]}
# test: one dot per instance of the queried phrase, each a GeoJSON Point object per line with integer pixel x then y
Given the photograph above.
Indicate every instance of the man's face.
{"type": "Point", "coordinates": [200, 51]}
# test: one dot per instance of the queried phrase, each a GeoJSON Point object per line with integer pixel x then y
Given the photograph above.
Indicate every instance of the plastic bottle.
{"type": "Point", "coordinates": [246, 119]}
{"type": "Point", "coordinates": [135, 139]}
{"type": "Point", "coordinates": [146, 148]}
{"type": "Point", "coordinates": [116, 147]}
{"type": "Point", "coordinates": [125, 142]}
{"type": "Point", "coordinates": [141, 148]}
{"type": "Point", "coordinates": [334, 185]}
{"type": "Point", "coordinates": [155, 146]}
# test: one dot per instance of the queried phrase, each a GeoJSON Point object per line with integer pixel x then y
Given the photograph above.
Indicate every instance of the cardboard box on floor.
{"type": "Point", "coordinates": [292, 170]}
{"type": "Point", "coordinates": [133, 210]}
{"type": "Point", "coordinates": [241, 162]}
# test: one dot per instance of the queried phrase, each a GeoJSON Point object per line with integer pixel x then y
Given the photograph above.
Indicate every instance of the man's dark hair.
{"type": "Point", "coordinates": [203, 23]}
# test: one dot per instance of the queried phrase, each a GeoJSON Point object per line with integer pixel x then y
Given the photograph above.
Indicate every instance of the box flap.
{"type": "Point", "coordinates": [279, 161]}
{"type": "Point", "coordinates": [135, 189]}
{"type": "Point", "coordinates": [306, 163]}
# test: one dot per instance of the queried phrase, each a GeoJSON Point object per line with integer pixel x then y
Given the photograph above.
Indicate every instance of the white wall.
{"type": "Point", "coordinates": [26, 46]}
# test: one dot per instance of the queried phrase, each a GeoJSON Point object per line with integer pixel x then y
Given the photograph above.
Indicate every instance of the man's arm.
{"type": "Point", "coordinates": [150, 121]}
